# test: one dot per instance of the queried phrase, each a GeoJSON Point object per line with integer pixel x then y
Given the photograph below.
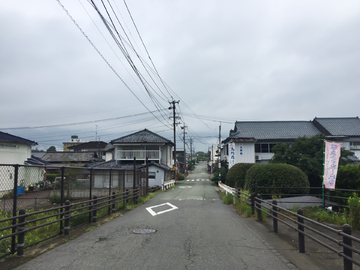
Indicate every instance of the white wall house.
{"type": "Point", "coordinates": [252, 141]}
{"type": "Point", "coordinates": [15, 150]}
{"type": "Point", "coordinates": [141, 145]}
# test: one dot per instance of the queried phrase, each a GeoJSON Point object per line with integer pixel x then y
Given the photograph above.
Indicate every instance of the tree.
{"type": "Point", "coordinates": [51, 149]}
{"type": "Point", "coordinates": [306, 154]}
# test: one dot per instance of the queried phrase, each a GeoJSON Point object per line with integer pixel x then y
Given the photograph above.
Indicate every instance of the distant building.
{"type": "Point", "coordinates": [74, 140]}
{"type": "Point", "coordinates": [253, 141]}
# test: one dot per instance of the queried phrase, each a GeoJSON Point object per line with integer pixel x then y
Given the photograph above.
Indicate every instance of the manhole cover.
{"type": "Point", "coordinates": [142, 231]}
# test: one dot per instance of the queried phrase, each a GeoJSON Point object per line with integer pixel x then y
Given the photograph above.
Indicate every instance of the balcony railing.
{"type": "Point", "coordinates": [139, 154]}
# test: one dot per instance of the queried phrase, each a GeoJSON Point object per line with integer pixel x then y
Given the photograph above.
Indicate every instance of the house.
{"type": "Point", "coordinates": [141, 145]}
{"type": "Point", "coordinates": [14, 149]}
{"type": "Point", "coordinates": [131, 152]}
{"type": "Point", "coordinates": [74, 140]}
{"type": "Point", "coordinates": [93, 146]}
{"type": "Point", "coordinates": [16, 152]}
{"type": "Point", "coordinates": [252, 141]}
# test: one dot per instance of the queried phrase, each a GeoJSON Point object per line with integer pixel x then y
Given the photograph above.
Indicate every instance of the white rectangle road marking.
{"type": "Point", "coordinates": [153, 213]}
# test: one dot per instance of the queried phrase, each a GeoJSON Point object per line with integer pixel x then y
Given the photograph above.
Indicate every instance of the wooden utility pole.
{"type": "Point", "coordinates": [184, 127]}
{"type": "Point", "coordinates": [173, 107]}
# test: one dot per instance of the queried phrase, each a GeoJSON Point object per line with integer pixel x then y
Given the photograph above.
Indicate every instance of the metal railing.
{"type": "Point", "coordinates": [138, 154]}
{"type": "Point", "coordinates": [24, 222]}
{"type": "Point", "coordinates": [316, 231]}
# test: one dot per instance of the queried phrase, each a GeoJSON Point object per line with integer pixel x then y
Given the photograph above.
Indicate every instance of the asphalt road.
{"type": "Point", "coordinates": [194, 230]}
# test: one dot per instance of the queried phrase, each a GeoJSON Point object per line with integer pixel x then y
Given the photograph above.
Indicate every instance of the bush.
{"type": "Point", "coordinates": [51, 176]}
{"type": "Point", "coordinates": [354, 206]}
{"type": "Point", "coordinates": [284, 176]}
{"type": "Point", "coordinates": [236, 175]}
{"type": "Point", "coordinates": [227, 198]}
{"type": "Point", "coordinates": [181, 176]}
{"type": "Point", "coordinates": [223, 172]}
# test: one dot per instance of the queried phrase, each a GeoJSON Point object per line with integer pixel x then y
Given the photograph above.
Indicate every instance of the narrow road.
{"type": "Point", "coordinates": [194, 230]}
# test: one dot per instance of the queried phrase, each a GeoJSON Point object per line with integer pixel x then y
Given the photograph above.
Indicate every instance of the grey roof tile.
{"type": "Point", "coordinates": [267, 130]}
{"type": "Point", "coordinates": [70, 157]}
{"type": "Point", "coordinates": [143, 136]}
{"type": "Point", "coordinates": [347, 126]}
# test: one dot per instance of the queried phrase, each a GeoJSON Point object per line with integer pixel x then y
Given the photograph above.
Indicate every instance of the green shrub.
{"type": "Point", "coordinates": [51, 176]}
{"type": "Point", "coordinates": [181, 176]}
{"type": "Point", "coordinates": [223, 172]}
{"type": "Point", "coordinates": [354, 206]}
{"type": "Point", "coordinates": [227, 198]}
{"type": "Point", "coordinates": [284, 176]}
{"type": "Point", "coordinates": [235, 177]}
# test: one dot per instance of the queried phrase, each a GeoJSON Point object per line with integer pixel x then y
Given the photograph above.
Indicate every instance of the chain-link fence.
{"type": "Point", "coordinates": [36, 187]}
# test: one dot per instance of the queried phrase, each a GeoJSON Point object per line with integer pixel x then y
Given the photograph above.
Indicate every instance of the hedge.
{"type": "Point", "coordinates": [236, 175]}
{"type": "Point", "coordinates": [285, 176]}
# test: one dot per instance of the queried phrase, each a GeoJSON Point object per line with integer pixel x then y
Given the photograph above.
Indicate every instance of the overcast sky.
{"type": "Point", "coordinates": [224, 60]}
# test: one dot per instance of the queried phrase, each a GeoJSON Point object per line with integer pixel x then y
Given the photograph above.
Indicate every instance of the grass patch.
{"type": "Point", "coordinates": [227, 198]}
{"type": "Point", "coordinates": [243, 208]}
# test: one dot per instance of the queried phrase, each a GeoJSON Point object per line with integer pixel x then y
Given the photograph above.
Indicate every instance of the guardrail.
{"type": "Point", "coordinates": [24, 222]}
{"type": "Point", "coordinates": [168, 184]}
{"type": "Point", "coordinates": [320, 233]}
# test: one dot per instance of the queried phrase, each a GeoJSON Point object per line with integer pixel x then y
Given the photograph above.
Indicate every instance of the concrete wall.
{"type": "Point", "coordinates": [14, 153]}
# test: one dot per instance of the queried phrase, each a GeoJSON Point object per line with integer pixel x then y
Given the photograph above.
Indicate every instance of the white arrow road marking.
{"type": "Point", "coordinates": [153, 213]}
{"type": "Point", "coordinates": [185, 187]}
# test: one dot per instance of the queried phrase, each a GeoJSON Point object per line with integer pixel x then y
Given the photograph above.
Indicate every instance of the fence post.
{"type": "Point", "coordinates": [252, 197]}
{"type": "Point", "coordinates": [348, 252]}
{"type": "Point", "coordinates": [126, 196]}
{"type": "Point", "coordinates": [109, 204]}
{"type": "Point", "coordinates": [113, 202]}
{"type": "Point", "coordinates": [90, 193]}
{"type": "Point", "coordinates": [16, 176]}
{"type": "Point", "coordinates": [62, 198]}
{"type": "Point", "coordinates": [301, 235]}
{"type": "Point", "coordinates": [136, 195]}
{"type": "Point", "coordinates": [21, 235]}
{"type": "Point", "coordinates": [147, 177]}
{"type": "Point", "coordinates": [274, 212]}
{"type": "Point", "coordinates": [67, 217]}
{"type": "Point", "coordinates": [258, 204]}
{"type": "Point", "coordinates": [239, 194]}
{"type": "Point", "coordinates": [94, 218]}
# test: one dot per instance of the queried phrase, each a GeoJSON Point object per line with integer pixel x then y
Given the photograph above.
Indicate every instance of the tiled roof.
{"type": "Point", "coordinates": [347, 126]}
{"type": "Point", "coordinates": [262, 130]}
{"type": "Point", "coordinates": [70, 157]}
{"type": "Point", "coordinates": [6, 137]}
{"type": "Point", "coordinates": [89, 145]}
{"type": "Point", "coordinates": [112, 164]}
{"type": "Point", "coordinates": [36, 161]}
{"type": "Point", "coordinates": [143, 136]}
{"type": "Point", "coordinates": [109, 147]}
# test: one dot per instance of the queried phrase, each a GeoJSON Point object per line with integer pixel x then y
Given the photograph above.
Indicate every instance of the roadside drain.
{"type": "Point", "coordinates": [144, 231]}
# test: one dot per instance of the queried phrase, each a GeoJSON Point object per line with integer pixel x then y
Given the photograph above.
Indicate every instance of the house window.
{"type": "Point", "coordinates": [355, 146]}
{"type": "Point", "coordinates": [129, 176]}
{"type": "Point", "coordinates": [264, 147]}
{"type": "Point", "coordinates": [152, 175]}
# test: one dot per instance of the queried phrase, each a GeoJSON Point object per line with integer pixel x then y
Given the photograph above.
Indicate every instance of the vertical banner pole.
{"type": "Point", "coordinates": [323, 182]}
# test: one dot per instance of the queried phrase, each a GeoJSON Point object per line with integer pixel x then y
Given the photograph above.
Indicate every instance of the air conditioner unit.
{"type": "Point", "coordinates": [257, 158]}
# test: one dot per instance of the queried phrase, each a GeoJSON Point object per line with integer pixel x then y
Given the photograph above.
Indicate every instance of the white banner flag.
{"type": "Point", "coordinates": [332, 156]}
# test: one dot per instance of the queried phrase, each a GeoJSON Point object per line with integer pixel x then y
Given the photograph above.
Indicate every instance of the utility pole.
{"type": "Point", "coordinates": [220, 152]}
{"type": "Point", "coordinates": [184, 127]}
{"type": "Point", "coordinates": [173, 107]}
{"type": "Point", "coordinates": [191, 148]}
